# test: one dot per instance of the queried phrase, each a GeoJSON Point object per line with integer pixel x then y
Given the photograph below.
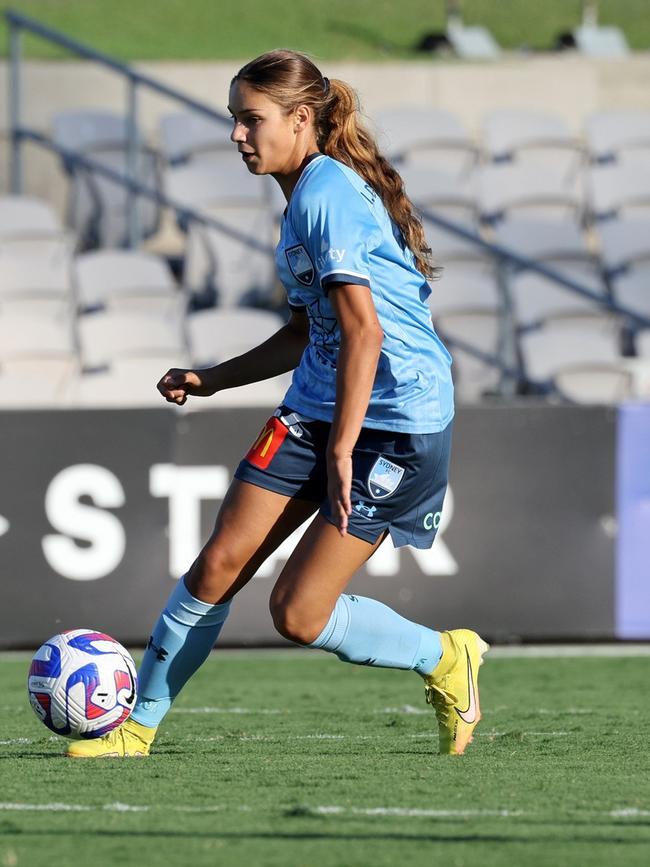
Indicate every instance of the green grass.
{"type": "Point", "coordinates": [362, 30]}
{"type": "Point", "coordinates": [562, 747]}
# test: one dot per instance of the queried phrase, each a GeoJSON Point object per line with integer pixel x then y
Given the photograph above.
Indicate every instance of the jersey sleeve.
{"type": "Point", "coordinates": [338, 230]}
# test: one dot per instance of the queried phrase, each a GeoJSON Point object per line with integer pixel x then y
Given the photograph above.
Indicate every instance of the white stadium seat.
{"type": "Point", "coordinates": [216, 335]}
{"type": "Point", "coordinates": [528, 190]}
{"type": "Point", "coordinates": [481, 329]}
{"type": "Point", "coordinates": [609, 134]}
{"type": "Point", "coordinates": [224, 259]}
{"type": "Point", "coordinates": [621, 189]}
{"type": "Point", "coordinates": [429, 136]}
{"type": "Point", "coordinates": [536, 297]}
{"type": "Point", "coordinates": [27, 216]}
{"type": "Point", "coordinates": [624, 241]}
{"type": "Point", "coordinates": [184, 134]}
{"type": "Point", "coordinates": [531, 136]}
{"type": "Point", "coordinates": [568, 341]}
{"type": "Point", "coordinates": [109, 336]}
{"type": "Point", "coordinates": [125, 279]}
{"type": "Point", "coordinates": [465, 287]}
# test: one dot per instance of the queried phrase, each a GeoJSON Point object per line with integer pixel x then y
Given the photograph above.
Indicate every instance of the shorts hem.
{"type": "Point", "coordinates": [357, 532]}
{"type": "Point", "coordinates": [269, 483]}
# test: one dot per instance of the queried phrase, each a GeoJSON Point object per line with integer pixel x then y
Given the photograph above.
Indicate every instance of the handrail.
{"type": "Point", "coordinates": [183, 211]}
{"type": "Point", "coordinates": [523, 262]}
{"type": "Point", "coordinates": [17, 23]}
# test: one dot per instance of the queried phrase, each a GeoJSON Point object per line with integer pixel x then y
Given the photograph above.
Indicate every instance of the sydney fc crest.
{"type": "Point", "coordinates": [384, 478]}
{"type": "Point", "coordinates": [300, 264]}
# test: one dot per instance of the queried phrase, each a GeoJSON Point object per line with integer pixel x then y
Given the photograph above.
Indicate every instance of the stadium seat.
{"type": "Point", "coordinates": [126, 382]}
{"type": "Point", "coordinates": [568, 341]}
{"type": "Point", "coordinates": [527, 191]}
{"type": "Point", "coordinates": [472, 43]}
{"type": "Point", "coordinates": [99, 208]}
{"type": "Point", "coordinates": [185, 134]}
{"type": "Point", "coordinates": [643, 344]}
{"type": "Point", "coordinates": [536, 297]}
{"type": "Point", "coordinates": [473, 378]}
{"type": "Point", "coordinates": [632, 289]}
{"type": "Point", "coordinates": [36, 276]}
{"type": "Point", "coordinates": [465, 287]}
{"type": "Point", "coordinates": [126, 279]}
{"type": "Point", "coordinates": [596, 383]}
{"type": "Point", "coordinates": [216, 335]}
{"type": "Point", "coordinates": [223, 262]}
{"type": "Point", "coordinates": [80, 129]}
{"type": "Point", "coordinates": [37, 359]}
{"type": "Point", "coordinates": [531, 136]}
{"type": "Point", "coordinates": [28, 217]}
{"type": "Point", "coordinates": [439, 194]}
{"type": "Point", "coordinates": [601, 41]}
{"type": "Point", "coordinates": [226, 182]}
{"type": "Point", "coordinates": [538, 238]}
{"type": "Point", "coordinates": [109, 336]}
{"type": "Point", "coordinates": [623, 242]}
{"type": "Point", "coordinates": [427, 136]}
{"type": "Point", "coordinates": [610, 134]}
{"type": "Point", "coordinates": [621, 189]}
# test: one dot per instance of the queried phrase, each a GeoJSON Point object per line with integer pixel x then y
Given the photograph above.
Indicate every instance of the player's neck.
{"type": "Point", "coordinates": [288, 181]}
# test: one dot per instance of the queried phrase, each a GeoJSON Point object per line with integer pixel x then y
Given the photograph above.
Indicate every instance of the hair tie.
{"type": "Point", "coordinates": [326, 85]}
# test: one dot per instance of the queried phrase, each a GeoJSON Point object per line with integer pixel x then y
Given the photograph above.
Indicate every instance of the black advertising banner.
{"type": "Point", "coordinates": [101, 511]}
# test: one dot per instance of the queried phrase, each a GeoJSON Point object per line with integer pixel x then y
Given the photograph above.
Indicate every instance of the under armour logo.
{"type": "Point", "coordinates": [161, 653]}
{"type": "Point", "coordinates": [366, 511]}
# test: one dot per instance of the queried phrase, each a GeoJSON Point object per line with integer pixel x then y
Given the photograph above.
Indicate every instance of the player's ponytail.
{"type": "Point", "coordinates": [291, 79]}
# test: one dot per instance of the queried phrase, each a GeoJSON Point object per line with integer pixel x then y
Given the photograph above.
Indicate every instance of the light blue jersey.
{"type": "Point", "coordinates": [336, 229]}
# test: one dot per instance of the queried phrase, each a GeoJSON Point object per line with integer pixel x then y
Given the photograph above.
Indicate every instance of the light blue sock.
{"type": "Point", "coordinates": [367, 632]}
{"type": "Point", "coordinates": [181, 641]}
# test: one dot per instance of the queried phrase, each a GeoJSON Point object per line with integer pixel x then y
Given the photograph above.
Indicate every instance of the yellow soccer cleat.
{"type": "Point", "coordinates": [452, 689]}
{"type": "Point", "coordinates": [129, 740]}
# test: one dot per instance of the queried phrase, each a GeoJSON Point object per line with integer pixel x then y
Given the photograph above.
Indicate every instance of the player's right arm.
{"type": "Point", "coordinates": [280, 353]}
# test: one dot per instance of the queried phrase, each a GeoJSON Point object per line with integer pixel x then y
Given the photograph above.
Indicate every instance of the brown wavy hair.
{"type": "Point", "coordinates": [291, 79]}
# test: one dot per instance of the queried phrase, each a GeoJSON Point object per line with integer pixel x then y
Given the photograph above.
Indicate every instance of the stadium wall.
{"type": "Point", "coordinates": [570, 85]}
{"type": "Point", "coordinates": [101, 511]}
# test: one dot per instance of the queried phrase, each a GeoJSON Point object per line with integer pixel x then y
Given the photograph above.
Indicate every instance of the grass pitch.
{"type": "Point", "coordinates": [338, 29]}
{"type": "Point", "coordinates": [296, 760]}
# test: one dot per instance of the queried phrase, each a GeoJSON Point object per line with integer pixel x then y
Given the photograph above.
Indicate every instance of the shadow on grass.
{"type": "Point", "coordinates": [529, 839]}
{"type": "Point", "coordinates": [369, 37]}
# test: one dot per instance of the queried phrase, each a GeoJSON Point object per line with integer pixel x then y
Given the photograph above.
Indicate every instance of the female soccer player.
{"type": "Point", "coordinates": [362, 439]}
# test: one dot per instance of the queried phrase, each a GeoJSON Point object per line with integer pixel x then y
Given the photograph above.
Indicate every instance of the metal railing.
{"type": "Point", "coordinates": [19, 133]}
{"type": "Point", "coordinates": [135, 80]}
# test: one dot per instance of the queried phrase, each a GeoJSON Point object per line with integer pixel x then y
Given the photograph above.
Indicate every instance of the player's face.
{"type": "Point", "coordinates": [265, 135]}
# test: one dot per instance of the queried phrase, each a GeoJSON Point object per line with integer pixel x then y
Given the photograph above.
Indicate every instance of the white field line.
{"type": "Point", "coordinates": [321, 810]}
{"type": "Point", "coordinates": [236, 710]}
{"type": "Point", "coordinates": [414, 811]}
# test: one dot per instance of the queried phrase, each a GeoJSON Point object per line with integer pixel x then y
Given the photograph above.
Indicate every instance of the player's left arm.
{"type": "Point", "coordinates": [360, 348]}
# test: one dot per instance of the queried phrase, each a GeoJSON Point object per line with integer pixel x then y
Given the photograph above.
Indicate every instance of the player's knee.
{"type": "Point", "coordinates": [215, 567]}
{"type": "Point", "coordinates": [294, 624]}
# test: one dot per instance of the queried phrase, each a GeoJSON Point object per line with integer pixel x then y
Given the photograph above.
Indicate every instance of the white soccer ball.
{"type": "Point", "coordinates": [82, 684]}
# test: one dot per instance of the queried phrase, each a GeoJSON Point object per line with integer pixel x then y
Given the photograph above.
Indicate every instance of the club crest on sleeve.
{"type": "Point", "coordinates": [384, 478]}
{"type": "Point", "coordinates": [300, 264]}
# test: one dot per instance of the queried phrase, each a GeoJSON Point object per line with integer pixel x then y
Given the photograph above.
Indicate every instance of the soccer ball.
{"type": "Point", "coordinates": [82, 684]}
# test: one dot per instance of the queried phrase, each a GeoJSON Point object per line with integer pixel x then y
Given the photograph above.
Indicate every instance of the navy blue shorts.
{"type": "Point", "coordinates": [398, 479]}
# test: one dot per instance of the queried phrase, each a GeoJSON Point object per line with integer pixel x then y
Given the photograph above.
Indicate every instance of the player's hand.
{"type": "Point", "coordinates": [339, 485]}
{"type": "Point", "coordinates": [177, 384]}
